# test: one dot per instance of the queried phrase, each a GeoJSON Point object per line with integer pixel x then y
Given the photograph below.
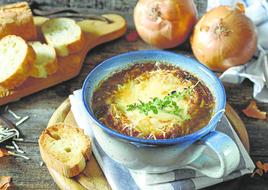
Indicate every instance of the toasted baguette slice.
{"type": "Point", "coordinates": [17, 19]}
{"type": "Point", "coordinates": [65, 149]}
{"type": "Point", "coordinates": [17, 59]}
{"type": "Point", "coordinates": [46, 60]}
{"type": "Point", "coordinates": [64, 35]}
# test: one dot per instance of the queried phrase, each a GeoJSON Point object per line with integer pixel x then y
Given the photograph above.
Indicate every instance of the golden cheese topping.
{"type": "Point", "coordinates": [149, 85]}
{"type": "Point", "coordinates": [153, 101]}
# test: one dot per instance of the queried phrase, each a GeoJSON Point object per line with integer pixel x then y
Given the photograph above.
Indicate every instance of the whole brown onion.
{"type": "Point", "coordinates": [224, 37]}
{"type": "Point", "coordinates": [164, 23]}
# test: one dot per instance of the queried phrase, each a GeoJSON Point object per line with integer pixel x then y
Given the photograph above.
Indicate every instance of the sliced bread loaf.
{"type": "Point", "coordinates": [46, 60]}
{"type": "Point", "coordinates": [65, 149]}
{"type": "Point", "coordinates": [17, 59]}
{"type": "Point", "coordinates": [17, 19]}
{"type": "Point", "coordinates": [64, 35]}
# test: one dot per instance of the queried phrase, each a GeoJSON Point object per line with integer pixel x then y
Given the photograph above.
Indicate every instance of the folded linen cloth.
{"type": "Point", "coordinates": [120, 178]}
{"type": "Point", "coordinates": [256, 70]}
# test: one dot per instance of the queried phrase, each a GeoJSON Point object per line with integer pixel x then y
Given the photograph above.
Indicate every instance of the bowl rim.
{"type": "Point", "coordinates": [199, 133]}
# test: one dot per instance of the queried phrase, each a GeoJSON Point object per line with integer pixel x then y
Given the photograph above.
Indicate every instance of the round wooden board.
{"type": "Point", "coordinates": [92, 177]}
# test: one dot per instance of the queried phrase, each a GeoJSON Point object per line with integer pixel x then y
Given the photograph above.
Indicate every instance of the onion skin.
{"type": "Point", "coordinates": [165, 23]}
{"type": "Point", "coordinates": [224, 37]}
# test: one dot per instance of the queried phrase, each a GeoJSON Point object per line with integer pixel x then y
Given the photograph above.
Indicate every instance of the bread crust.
{"type": "Point", "coordinates": [70, 48]}
{"type": "Point", "coordinates": [50, 67]}
{"type": "Point", "coordinates": [77, 45]}
{"type": "Point", "coordinates": [22, 72]}
{"type": "Point", "coordinates": [53, 162]}
{"type": "Point", "coordinates": [17, 19]}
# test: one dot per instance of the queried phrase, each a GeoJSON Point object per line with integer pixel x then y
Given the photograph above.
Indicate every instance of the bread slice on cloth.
{"type": "Point", "coordinates": [17, 19]}
{"type": "Point", "coordinates": [16, 61]}
{"type": "Point", "coordinates": [64, 35]}
{"type": "Point", "coordinates": [46, 60]}
{"type": "Point", "coordinates": [65, 149]}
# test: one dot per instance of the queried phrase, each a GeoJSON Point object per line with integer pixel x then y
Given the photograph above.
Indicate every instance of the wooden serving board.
{"type": "Point", "coordinates": [96, 32]}
{"type": "Point", "coordinates": [92, 177]}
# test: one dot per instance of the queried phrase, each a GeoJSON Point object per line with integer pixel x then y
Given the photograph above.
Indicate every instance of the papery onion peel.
{"type": "Point", "coordinates": [165, 23]}
{"type": "Point", "coordinates": [224, 37]}
{"type": "Point", "coordinates": [5, 182]}
{"type": "Point", "coordinates": [253, 111]}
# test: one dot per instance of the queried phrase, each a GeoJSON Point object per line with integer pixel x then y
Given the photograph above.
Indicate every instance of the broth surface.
{"type": "Point", "coordinates": [153, 101]}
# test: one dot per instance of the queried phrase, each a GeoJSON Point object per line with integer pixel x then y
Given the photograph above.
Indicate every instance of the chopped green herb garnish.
{"type": "Point", "coordinates": [167, 104]}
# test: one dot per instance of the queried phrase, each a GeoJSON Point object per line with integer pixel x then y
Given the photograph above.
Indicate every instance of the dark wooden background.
{"type": "Point", "coordinates": [29, 175]}
{"type": "Point", "coordinates": [122, 7]}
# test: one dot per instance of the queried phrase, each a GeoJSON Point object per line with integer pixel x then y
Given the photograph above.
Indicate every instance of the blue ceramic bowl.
{"type": "Point", "coordinates": [119, 62]}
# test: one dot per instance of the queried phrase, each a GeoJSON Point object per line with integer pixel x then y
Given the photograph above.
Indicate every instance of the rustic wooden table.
{"type": "Point", "coordinates": [28, 174]}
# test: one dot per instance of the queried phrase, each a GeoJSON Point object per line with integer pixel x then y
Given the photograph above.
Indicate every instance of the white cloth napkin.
{"type": "Point", "coordinates": [120, 178]}
{"type": "Point", "coordinates": [257, 69]}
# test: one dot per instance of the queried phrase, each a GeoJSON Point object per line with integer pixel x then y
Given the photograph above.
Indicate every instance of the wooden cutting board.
{"type": "Point", "coordinates": [92, 177]}
{"type": "Point", "coordinates": [96, 32]}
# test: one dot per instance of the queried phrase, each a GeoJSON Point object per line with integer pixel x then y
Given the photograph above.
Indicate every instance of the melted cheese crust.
{"type": "Point", "coordinates": [158, 83]}
{"type": "Point", "coordinates": [142, 83]}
